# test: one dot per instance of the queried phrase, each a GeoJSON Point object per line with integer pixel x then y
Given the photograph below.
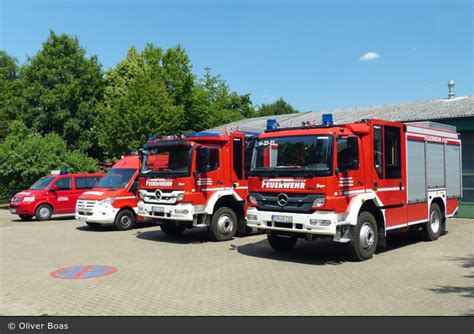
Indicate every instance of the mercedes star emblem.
{"type": "Point", "coordinates": [282, 199]}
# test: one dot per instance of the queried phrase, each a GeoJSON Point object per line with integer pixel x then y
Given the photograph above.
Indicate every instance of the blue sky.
{"type": "Point", "coordinates": [308, 52]}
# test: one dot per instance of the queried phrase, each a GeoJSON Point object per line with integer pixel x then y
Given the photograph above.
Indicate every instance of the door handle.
{"type": "Point", "coordinates": [401, 186]}
{"type": "Point", "coordinates": [376, 185]}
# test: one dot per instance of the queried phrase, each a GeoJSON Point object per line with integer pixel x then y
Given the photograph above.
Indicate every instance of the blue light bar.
{"type": "Point", "coordinates": [60, 172]}
{"type": "Point", "coordinates": [327, 119]}
{"type": "Point", "coordinates": [153, 138]}
{"type": "Point", "coordinates": [202, 134]}
{"type": "Point", "coordinates": [272, 124]}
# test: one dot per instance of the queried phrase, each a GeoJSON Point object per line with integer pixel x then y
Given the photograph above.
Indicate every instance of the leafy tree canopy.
{"type": "Point", "coordinates": [26, 156]}
{"type": "Point", "coordinates": [279, 107]}
{"type": "Point", "coordinates": [61, 87]}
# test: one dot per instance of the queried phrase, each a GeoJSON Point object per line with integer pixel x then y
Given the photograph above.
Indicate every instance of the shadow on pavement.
{"type": "Point", "coordinates": [189, 236]}
{"type": "Point", "coordinates": [110, 227]}
{"type": "Point", "coordinates": [323, 251]}
{"type": "Point", "coordinates": [54, 218]}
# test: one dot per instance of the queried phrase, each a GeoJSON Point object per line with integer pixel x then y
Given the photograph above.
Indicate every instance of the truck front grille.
{"type": "Point", "coordinates": [301, 203]}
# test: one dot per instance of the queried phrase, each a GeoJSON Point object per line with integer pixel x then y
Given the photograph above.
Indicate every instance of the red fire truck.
{"type": "Point", "coordinates": [195, 181]}
{"type": "Point", "coordinates": [354, 182]}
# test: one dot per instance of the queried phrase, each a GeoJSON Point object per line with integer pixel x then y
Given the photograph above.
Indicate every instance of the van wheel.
{"type": "Point", "coordinates": [23, 217]}
{"type": "Point", "coordinates": [93, 226]}
{"type": "Point", "coordinates": [44, 212]}
{"type": "Point", "coordinates": [364, 237]}
{"type": "Point", "coordinates": [281, 243]}
{"type": "Point", "coordinates": [431, 230]}
{"type": "Point", "coordinates": [125, 220]}
{"type": "Point", "coordinates": [223, 224]}
{"type": "Point", "coordinates": [171, 229]}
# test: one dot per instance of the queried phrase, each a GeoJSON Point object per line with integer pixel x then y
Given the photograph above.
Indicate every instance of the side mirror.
{"type": "Point", "coordinates": [54, 187]}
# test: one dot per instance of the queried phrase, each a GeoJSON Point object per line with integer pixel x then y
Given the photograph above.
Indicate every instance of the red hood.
{"type": "Point", "coordinates": [30, 193]}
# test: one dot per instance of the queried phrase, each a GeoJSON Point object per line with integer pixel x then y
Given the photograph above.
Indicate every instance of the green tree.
{"type": "Point", "coordinates": [145, 110]}
{"type": "Point", "coordinates": [10, 91]}
{"type": "Point", "coordinates": [62, 87]}
{"type": "Point", "coordinates": [26, 156]}
{"type": "Point", "coordinates": [214, 104]}
{"type": "Point", "coordinates": [279, 107]}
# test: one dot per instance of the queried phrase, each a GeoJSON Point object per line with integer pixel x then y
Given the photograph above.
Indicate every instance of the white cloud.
{"type": "Point", "coordinates": [369, 56]}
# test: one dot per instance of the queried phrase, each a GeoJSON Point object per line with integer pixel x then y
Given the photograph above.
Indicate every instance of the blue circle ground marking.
{"type": "Point", "coordinates": [83, 272]}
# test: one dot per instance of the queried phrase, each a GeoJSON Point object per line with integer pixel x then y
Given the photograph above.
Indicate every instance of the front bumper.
{"type": "Point", "coordinates": [301, 223]}
{"type": "Point", "coordinates": [180, 211]}
{"type": "Point", "coordinates": [22, 208]}
{"type": "Point", "coordinates": [101, 214]}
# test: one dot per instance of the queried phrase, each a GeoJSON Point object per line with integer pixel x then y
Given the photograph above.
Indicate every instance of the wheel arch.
{"type": "Point", "coordinates": [44, 203]}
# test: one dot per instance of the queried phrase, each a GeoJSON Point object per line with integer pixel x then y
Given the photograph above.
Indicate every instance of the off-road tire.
{"type": "Point", "coordinates": [224, 223]}
{"type": "Point", "coordinates": [431, 230]}
{"type": "Point", "coordinates": [171, 229]}
{"type": "Point", "coordinates": [364, 237]}
{"type": "Point", "coordinates": [281, 243]}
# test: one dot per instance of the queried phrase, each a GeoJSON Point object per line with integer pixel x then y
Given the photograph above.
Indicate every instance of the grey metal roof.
{"type": "Point", "coordinates": [462, 106]}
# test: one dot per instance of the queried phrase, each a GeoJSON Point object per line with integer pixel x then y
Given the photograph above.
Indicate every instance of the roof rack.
{"type": "Point", "coordinates": [433, 125]}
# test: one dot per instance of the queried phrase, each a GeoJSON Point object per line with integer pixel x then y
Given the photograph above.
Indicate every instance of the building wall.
{"type": "Point", "coordinates": [465, 126]}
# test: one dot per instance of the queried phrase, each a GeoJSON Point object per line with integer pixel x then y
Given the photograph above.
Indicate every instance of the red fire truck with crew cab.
{"type": "Point", "coordinates": [354, 182]}
{"type": "Point", "coordinates": [197, 180]}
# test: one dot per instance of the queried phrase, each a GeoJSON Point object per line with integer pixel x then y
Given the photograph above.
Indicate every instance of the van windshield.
{"type": "Point", "coordinates": [293, 155]}
{"type": "Point", "coordinates": [42, 183]}
{"type": "Point", "coordinates": [117, 178]}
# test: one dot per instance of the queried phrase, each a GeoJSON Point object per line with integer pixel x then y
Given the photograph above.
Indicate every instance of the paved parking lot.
{"type": "Point", "coordinates": [159, 275]}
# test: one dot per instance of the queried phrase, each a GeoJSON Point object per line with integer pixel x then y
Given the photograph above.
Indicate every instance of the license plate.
{"type": "Point", "coordinates": [158, 209]}
{"type": "Point", "coordinates": [282, 219]}
{"type": "Point", "coordinates": [13, 210]}
{"type": "Point", "coordinates": [84, 219]}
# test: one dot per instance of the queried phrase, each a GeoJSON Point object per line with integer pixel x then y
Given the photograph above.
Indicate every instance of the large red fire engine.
{"type": "Point", "coordinates": [195, 181]}
{"type": "Point", "coordinates": [354, 182]}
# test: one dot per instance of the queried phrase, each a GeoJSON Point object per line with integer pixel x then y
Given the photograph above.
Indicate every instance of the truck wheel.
{"type": "Point", "coordinates": [125, 220]}
{"type": "Point", "coordinates": [281, 243]}
{"type": "Point", "coordinates": [170, 228]}
{"type": "Point", "coordinates": [431, 230]}
{"type": "Point", "coordinates": [364, 237]}
{"type": "Point", "coordinates": [23, 217]}
{"type": "Point", "coordinates": [44, 212]}
{"type": "Point", "coordinates": [223, 224]}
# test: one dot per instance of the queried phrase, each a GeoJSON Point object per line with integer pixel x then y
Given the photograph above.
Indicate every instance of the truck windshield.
{"type": "Point", "coordinates": [42, 183]}
{"type": "Point", "coordinates": [167, 160]}
{"type": "Point", "coordinates": [116, 178]}
{"type": "Point", "coordinates": [293, 155]}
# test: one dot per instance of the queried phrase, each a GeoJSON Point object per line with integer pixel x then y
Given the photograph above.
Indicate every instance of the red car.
{"type": "Point", "coordinates": [53, 194]}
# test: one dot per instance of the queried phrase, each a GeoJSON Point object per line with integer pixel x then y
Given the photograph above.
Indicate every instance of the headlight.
{"type": "Point", "coordinates": [319, 202]}
{"type": "Point", "coordinates": [252, 199]}
{"type": "Point", "coordinates": [16, 199]}
{"type": "Point", "coordinates": [29, 199]}
{"type": "Point", "coordinates": [180, 196]}
{"type": "Point", "coordinates": [106, 201]}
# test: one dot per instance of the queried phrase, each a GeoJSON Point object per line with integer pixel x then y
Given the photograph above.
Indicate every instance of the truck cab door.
{"type": "Point", "coordinates": [209, 169]}
{"type": "Point", "coordinates": [388, 176]}
{"type": "Point", "coordinates": [349, 173]}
